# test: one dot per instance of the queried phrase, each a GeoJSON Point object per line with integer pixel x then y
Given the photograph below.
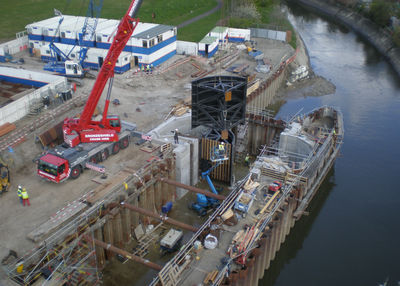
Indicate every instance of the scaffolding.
{"type": "Point", "coordinates": [67, 257]}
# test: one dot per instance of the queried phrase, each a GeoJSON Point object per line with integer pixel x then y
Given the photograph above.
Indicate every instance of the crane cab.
{"type": "Point", "coordinates": [113, 122]}
{"type": "Point", "coordinates": [73, 69]}
{"type": "Point", "coordinates": [53, 168]}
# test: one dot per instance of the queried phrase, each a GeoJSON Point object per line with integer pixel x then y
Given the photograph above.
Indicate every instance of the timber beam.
{"type": "Point", "coordinates": [192, 189]}
{"type": "Point", "coordinates": [159, 217]}
{"type": "Point", "coordinates": [122, 252]}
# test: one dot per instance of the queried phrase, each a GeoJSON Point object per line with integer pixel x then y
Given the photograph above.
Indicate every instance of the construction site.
{"type": "Point", "coordinates": [143, 209]}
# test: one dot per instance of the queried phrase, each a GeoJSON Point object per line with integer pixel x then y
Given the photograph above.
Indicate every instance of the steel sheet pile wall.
{"type": "Point", "coordinates": [261, 131]}
{"type": "Point", "coordinates": [67, 251]}
{"type": "Point", "coordinates": [264, 94]}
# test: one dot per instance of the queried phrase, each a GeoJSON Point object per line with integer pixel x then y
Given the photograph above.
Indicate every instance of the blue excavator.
{"type": "Point", "coordinates": [204, 203]}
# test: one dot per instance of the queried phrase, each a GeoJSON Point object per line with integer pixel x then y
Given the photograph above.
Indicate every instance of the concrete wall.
{"type": "Point", "coordinates": [21, 107]}
{"type": "Point", "coordinates": [186, 152]}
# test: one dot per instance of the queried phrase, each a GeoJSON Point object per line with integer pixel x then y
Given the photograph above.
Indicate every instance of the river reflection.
{"type": "Point", "coordinates": [351, 237]}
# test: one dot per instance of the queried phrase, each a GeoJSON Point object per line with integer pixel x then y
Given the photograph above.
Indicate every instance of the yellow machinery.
{"type": "Point", "coordinates": [4, 176]}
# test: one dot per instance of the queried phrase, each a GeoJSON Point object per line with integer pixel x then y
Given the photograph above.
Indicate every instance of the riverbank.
{"type": "Point", "coordinates": [313, 85]}
{"type": "Point", "coordinates": [364, 27]}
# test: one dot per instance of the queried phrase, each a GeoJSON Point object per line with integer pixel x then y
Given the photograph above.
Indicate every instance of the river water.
{"type": "Point", "coordinates": [352, 234]}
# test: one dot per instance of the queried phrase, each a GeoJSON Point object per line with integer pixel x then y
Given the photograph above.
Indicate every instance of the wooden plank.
{"type": "Point", "coordinates": [6, 128]}
{"type": "Point", "coordinates": [108, 186]}
{"type": "Point", "coordinates": [270, 201]}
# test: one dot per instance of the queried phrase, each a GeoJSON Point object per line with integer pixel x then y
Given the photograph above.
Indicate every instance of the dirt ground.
{"type": "Point", "coordinates": [145, 100]}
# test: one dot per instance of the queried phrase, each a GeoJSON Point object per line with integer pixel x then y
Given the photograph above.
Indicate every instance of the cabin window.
{"type": "Point", "coordinates": [29, 30]}
{"type": "Point", "coordinates": [31, 45]}
{"type": "Point", "coordinates": [61, 169]}
{"type": "Point", "coordinates": [151, 43]}
{"type": "Point", "coordinates": [126, 59]}
{"type": "Point", "coordinates": [62, 34]}
{"type": "Point", "coordinates": [144, 44]}
{"type": "Point", "coordinates": [98, 38]}
{"type": "Point", "coordinates": [159, 39]}
{"type": "Point", "coordinates": [72, 55]}
{"type": "Point", "coordinates": [115, 123]}
{"type": "Point", "coordinates": [48, 52]}
{"type": "Point", "coordinates": [45, 33]}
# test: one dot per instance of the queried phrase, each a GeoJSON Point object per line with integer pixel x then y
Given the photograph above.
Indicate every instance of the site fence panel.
{"type": "Point", "coordinates": [268, 34]}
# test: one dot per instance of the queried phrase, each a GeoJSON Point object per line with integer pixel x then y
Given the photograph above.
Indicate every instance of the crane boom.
{"type": "Point", "coordinates": [84, 129]}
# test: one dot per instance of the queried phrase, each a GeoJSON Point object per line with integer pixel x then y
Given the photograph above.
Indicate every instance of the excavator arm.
{"type": "Point", "coordinates": [74, 126]}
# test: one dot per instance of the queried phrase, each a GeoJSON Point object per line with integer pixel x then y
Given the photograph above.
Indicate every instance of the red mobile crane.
{"type": "Point", "coordinates": [84, 129]}
{"type": "Point", "coordinates": [87, 141]}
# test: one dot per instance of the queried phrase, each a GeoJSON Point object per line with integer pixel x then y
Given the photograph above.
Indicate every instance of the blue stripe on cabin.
{"type": "Point", "coordinates": [210, 54]}
{"type": "Point", "coordinates": [89, 43]}
{"type": "Point", "coordinates": [163, 58]}
{"type": "Point", "coordinates": [235, 39]}
{"type": "Point", "coordinates": [20, 80]}
{"type": "Point", "coordinates": [95, 66]}
{"type": "Point", "coordinates": [68, 41]}
{"type": "Point", "coordinates": [159, 60]}
{"type": "Point", "coordinates": [123, 68]}
{"type": "Point", "coordinates": [34, 37]}
{"type": "Point", "coordinates": [50, 38]}
{"type": "Point", "coordinates": [140, 50]}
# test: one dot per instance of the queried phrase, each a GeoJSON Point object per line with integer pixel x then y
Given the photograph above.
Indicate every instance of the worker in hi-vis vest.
{"type": "Point", "coordinates": [25, 197]}
{"type": "Point", "coordinates": [19, 193]}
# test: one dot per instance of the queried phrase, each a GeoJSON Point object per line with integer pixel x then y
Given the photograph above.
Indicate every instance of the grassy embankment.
{"type": "Point", "coordinates": [15, 15]}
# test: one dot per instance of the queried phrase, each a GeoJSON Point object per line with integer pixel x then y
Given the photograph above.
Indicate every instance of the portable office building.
{"type": "Point", "coordinates": [219, 32]}
{"type": "Point", "coordinates": [103, 32]}
{"type": "Point", "coordinates": [101, 24]}
{"type": "Point", "coordinates": [71, 51]}
{"type": "Point", "coordinates": [52, 31]}
{"type": "Point", "coordinates": [95, 58]}
{"type": "Point", "coordinates": [238, 35]}
{"type": "Point", "coordinates": [35, 30]}
{"type": "Point", "coordinates": [208, 46]}
{"type": "Point", "coordinates": [154, 45]}
{"type": "Point", "coordinates": [70, 29]}
{"type": "Point", "coordinates": [34, 46]}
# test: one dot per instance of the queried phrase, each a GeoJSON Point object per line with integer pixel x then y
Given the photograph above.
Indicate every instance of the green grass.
{"type": "Point", "coordinates": [196, 31]}
{"type": "Point", "coordinates": [16, 14]}
{"type": "Point", "coordinates": [173, 12]}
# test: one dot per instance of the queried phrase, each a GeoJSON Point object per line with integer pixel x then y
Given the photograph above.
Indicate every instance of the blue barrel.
{"type": "Point", "coordinates": [166, 208]}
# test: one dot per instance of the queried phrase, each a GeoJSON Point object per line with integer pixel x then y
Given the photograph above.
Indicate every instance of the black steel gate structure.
{"type": "Point", "coordinates": [219, 103]}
